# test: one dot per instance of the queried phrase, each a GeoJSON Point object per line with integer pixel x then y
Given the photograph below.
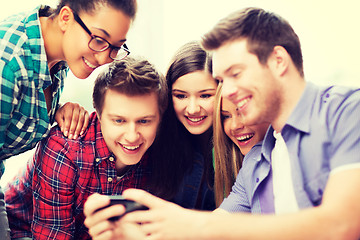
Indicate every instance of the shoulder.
{"type": "Point", "coordinates": [18, 33]}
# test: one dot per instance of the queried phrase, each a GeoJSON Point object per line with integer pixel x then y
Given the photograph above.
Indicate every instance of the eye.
{"type": "Point", "coordinates": [236, 74]}
{"type": "Point", "coordinates": [225, 116]}
{"type": "Point", "coordinates": [144, 121]}
{"type": "Point", "coordinates": [118, 121]}
{"type": "Point", "coordinates": [206, 95]}
{"type": "Point", "coordinates": [98, 44]}
{"type": "Point", "coordinates": [179, 96]}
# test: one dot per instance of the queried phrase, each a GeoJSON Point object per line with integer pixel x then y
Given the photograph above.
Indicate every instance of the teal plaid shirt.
{"type": "Point", "coordinates": [24, 75]}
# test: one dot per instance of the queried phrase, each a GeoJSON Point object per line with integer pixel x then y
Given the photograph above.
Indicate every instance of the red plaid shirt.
{"type": "Point", "coordinates": [46, 201]}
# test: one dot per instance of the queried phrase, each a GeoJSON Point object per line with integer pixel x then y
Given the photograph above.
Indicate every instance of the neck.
{"type": "Point", "coordinates": [204, 141]}
{"type": "Point", "coordinates": [291, 93]}
{"type": "Point", "coordinates": [52, 36]}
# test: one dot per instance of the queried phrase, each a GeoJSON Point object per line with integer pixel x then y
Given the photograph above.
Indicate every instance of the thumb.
{"type": "Point", "coordinates": [144, 198]}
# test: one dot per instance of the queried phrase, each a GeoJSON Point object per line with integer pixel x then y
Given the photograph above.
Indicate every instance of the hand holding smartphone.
{"type": "Point", "coordinates": [129, 205]}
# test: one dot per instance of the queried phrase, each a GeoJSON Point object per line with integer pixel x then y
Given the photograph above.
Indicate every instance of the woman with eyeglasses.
{"type": "Point", "coordinates": [37, 49]}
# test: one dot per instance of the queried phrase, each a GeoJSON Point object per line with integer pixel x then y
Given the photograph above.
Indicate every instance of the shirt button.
{"type": "Point", "coordinates": [257, 180]}
{"type": "Point", "coordinates": [110, 179]}
{"type": "Point", "coordinates": [97, 159]}
{"type": "Point", "coordinates": [111, 159]}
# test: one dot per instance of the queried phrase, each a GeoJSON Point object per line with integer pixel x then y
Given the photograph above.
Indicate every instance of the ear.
{"type": "Point", "coordinates": [65, 17]}
{"type": "Point", "coordinates": [279, 60]}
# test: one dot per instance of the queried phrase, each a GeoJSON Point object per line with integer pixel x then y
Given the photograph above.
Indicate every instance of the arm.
{"type": "Point", "coordinates": [336, 218]}
{"type": "Point", "coordinates": [72, 119]}
{"type": "Point", "coordinates": [53, 189]}
{"type": "Point", "coordinates": [8, 94]}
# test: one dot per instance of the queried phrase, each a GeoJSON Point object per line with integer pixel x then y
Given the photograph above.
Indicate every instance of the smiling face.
{"type": "Point", "coordinates": [106, 22]}
{"type": "Point", "coordinates": [245, 137]}
{"type": "Point", "coordinates": [129, 125]}
{"type": "Point", "coordinates": [193, 99]}
{"type": "Point", "coordinates": [247, 83]}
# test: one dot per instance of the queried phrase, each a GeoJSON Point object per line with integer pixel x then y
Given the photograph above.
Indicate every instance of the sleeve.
{"type": "Point", "coordinates": [53, 185]}
{"type": "Point", "coordinates": [18, 198]}
{"type": "Point", "coordinates": [345, 131]}
{"type": "Point", "coordinates": [237, 201]}
{"type": "Point", "coordinates": [8, 95]}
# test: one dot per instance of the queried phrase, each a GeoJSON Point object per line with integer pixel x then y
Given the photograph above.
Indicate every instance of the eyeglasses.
{"type": "Point", "coordinates": [98, 44]}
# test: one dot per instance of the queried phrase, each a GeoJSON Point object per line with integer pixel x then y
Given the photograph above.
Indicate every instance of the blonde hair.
{"type": "Point", "coordinates": [227, 156]}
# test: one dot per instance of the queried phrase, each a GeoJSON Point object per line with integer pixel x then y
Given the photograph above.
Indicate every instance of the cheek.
{"type": "Point", "coordinates": [150, 134]}
{"type": "Point", "coordinates": [208, 106]}
{"type": "Point", "coordinates": [227, 128]}
{"type": "Point", "coordinates": [179, 107]}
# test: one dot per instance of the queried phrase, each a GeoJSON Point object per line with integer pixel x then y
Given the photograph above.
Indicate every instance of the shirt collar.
{"type": "Point", "coordinates": [301, 116]}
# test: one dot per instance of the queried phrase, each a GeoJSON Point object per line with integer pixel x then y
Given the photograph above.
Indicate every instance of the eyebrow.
{"type": "Point", "coordinates": [108, 35]}
{"type": "Point", "coordinates": [224, 111]}
{"type": "Point", "coordinates": [139, 118]}
{"type": "Point", "coordinates": [226, 72]}
{"type": "Point", "coordinates": [204, 90]}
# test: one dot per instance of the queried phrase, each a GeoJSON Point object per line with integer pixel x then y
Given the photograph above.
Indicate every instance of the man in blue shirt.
{"type": "Point", "coordinates": [308, 173]}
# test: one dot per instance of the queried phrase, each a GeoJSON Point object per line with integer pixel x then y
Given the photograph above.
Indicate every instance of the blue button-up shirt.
{"type": "Point", "coordinates": [321, 134]}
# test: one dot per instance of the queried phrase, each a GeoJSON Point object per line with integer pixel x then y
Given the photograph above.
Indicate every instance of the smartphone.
{"type": "Point", "coordinates": [129, 205]}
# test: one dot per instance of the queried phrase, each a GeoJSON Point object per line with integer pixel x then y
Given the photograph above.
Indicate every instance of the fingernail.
{"type": "Point", "coordinates": [75, 136]}
{"type": "Point", "coordinates": [66, 133]}
{"type": "Point", "coordinates": [71, 136]}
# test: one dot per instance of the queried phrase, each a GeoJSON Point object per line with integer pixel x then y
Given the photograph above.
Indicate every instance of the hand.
{"type": "Point", "coordinates": [72, 119]}
{"type": "Point", "coordinates": [164, 220]}
{"type": "Point", "coordinates": [101, 228]}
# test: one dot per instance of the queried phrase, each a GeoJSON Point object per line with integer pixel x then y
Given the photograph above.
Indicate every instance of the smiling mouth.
{"type": "Point", "coordinates": [89, 64]}
{"type": "Point", "coordinates": [130, 148]}
{"type": "Point", "coordinates": [245, 137]}
{"type": "Point", "coordinates": [243, 102]}
{"type": "Point", "coordinates": [195, 119]}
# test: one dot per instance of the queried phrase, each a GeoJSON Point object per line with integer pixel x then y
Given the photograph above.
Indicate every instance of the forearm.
{"type": "Point", "coordinates": [307, 224]}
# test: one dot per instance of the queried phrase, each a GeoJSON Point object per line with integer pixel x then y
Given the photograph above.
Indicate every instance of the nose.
{"type": "Point", "coordinates": [131, 135]}
{"type": "Point", "coordinates": [193, 106]}
{"type": "Point", "coordinates": [236, 123]}
{"type": "Point", "coordinates": [229, 89]}
{"type": "Point", "coordinates": [103, 57]}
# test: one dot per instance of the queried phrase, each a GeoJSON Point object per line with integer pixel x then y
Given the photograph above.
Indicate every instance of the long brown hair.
{"type": "Point", "coordinates": [227, 156]}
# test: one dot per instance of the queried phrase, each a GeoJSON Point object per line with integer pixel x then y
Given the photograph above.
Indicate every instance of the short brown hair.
{"type": "Point", "coordinates": [131, 76]}
{"type": "Point", "coordinates": [263, 31]}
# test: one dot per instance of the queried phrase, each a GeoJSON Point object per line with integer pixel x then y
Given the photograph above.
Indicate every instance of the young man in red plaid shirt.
{"type": "Point", "coordinates": [46, 201]}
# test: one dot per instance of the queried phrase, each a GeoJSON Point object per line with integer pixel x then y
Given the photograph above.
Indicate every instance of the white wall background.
{"type": "Point", "coordinates": [328, 30]}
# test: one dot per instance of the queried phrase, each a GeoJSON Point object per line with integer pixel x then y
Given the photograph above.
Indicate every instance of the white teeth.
{"type": "Point", "coordinates": [195, 119]}
{"type": "Point", "coordinates": [243, 102]}
{"type": "Point", "coordinates": [245, 137]}
{"type": "Point", "coordinates": [131, 148]}
{"type": "Point", "coordinates": [89, 64]}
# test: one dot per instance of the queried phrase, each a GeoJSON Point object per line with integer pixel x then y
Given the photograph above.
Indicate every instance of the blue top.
{"type": "Point", "coordinates": [321, 134]}
{"type": "Point", "coordinates": [195, 192]}
{"type": "Point", "coordinates": [24, 75]}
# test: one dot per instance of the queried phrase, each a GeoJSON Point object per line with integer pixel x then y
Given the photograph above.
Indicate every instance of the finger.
{"type": "Point", "coordinates": [74, 120]}
{"type": "Point", "coordinates": [102, 230]}
{"type": "Point", "coordinates": [144, 198]}
{"type": "Point", "coordinates": [80, 122]}
{"type": "Point", "coordinates": [66, 118]}
{"type": "Point", "coordinates": [86, 122]}
{"type": "Point", "coordinates": [94, 202]}
{"type": "Point", "coordinates": [94, 212]}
